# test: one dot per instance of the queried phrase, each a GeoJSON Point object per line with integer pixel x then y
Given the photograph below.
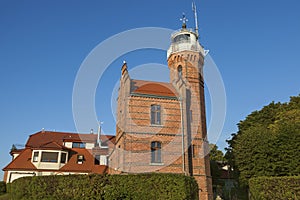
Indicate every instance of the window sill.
{"type": "Point", "coordinates": [156, 125]}
{"type": "Point", "coordinates": [157, 164]}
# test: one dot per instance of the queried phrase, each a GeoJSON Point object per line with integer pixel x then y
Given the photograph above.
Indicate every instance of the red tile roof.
{"type": "Point", "coordinates": [80, 138]}
{"type": "Point", "coordinates": [87, 165]}
{"type": "Point", "coordinates": [54, 140]}
{"type": "Point", "coordinates": [40, 138]}
{"type": "Point", "coordinates": [100, 151]}
{"type": "Point", "coordinates": [153, 88]}
{"type": "Point", "coordinates": [21, 162]}
{"type": "Point", "coordinates": [52, 145]}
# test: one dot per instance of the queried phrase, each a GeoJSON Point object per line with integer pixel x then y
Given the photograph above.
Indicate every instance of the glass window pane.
{"type": "Point", "coordinates": [179, 71]}
{"type": "Point", "coordinates": [152, 156]}
{"type": "Point", "coordinates": [158, 118]}
{"type": "Point", "coordinates": [155, 114]}
{"type": "Point", "coordinates": [49, 157]}
{"type": "Point", "coordinates": [63, 158]}
{"type": "Point", "coordinates": [155, 152]}
{"type": "Point", "coordinates": [78, 145]}
{"type": "Point", "coordinates": [97, 160]}
{"type": "Point", "coordinates": [158, 156]}
{"type": "Point", "coordinates": [152, 117]}
{"type": "Point", "coordinates": [35, 156]}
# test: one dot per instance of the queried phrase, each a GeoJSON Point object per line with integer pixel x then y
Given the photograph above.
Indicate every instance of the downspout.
{"type": "Point", "coordinates": [182, 134]}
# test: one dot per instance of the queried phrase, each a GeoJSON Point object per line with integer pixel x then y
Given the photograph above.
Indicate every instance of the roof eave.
{"type": "Point", "coordinates": [153, 96]}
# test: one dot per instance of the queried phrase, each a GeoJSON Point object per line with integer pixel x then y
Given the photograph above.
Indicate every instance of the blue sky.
{"type": "Point", "coordinates": [255, 45]}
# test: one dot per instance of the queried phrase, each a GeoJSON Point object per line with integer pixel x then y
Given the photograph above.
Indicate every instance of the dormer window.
{"type": "Point", "coordinates": [80, 159]}
{"type": "Point", "coordinates": [78, 145]}
{"type": "Point", "coordinates": [43, 159]}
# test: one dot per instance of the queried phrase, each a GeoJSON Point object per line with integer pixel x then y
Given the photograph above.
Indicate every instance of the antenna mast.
{"type": "Point", "coordinates": [99, 134]}
{"type": "Point", "coordinates": [196, 18]}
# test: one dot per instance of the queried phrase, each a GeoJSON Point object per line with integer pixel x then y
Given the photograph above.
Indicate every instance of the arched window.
{"type": "Point", "coordinates": [156, 152]}
{"type": "Point", "coordinates": [179, 69]}
{"type": "Point", "coordinates": [155, 114]}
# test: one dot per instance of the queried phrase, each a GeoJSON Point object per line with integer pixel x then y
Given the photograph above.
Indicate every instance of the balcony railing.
{"type": "Point", "coordinates": [185, 46]}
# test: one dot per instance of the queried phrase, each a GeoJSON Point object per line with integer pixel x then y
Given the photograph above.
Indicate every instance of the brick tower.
{"type": "Point", "coordinates": [186, 61]}
{"type": "Point", "coordinates": [161, 127]}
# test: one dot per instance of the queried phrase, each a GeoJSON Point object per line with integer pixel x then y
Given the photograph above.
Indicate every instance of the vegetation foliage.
{"type": "Point", "coordinates": [217, 159]}
{"type": "Point", "coordinates": [267, 142]}
{"type": "Point", "coordinates": [108, 187]}
{"type": "Point", "coordinates": [2, 187]}
{"type": "Point", "coordinates": [279, 188]}
{"type": "Point", "coordinates": [5, 197]}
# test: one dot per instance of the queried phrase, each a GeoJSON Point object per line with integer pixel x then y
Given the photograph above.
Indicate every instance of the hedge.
{"type": "Point", "coordinates": [2, 187]}
{"type": "Point", "coordinates": [265, 188]}
{"type": "Point", "coordinates": [107, 187]}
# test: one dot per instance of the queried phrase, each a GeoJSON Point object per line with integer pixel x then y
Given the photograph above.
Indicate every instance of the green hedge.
{"type": "Point", "coordinates": [108, 187]}
{"type": "Point", "coordinates": [265, 188]}
{"type": "Point", "coordinates": [2, 187]}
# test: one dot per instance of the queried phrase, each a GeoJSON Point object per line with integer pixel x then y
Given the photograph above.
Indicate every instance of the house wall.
{"type": "Point", "coordinates": [103, 160]}
{"type": "Point", "coordinates": [133, 152]}
{"type": "Point", "coordinates": [15, 155]}
{"type": "Point", "coordinates": [89, 145]}
{"type": "Point", "coordinates": [68, 144]}
{"type": "Point", "coordinates": [13, 175]}
{"type": "Point", "coordinates": [5, 176]}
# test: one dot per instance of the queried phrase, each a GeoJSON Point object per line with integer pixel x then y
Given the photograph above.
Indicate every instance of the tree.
{"type": "Point", "coordinates": [217, 161]}
{"type": "Point", "coordinates": [215, 154]}
{"type": "Point", "coordinates": [267, 142]}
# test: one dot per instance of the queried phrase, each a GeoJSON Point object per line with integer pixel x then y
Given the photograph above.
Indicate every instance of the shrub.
{"type": "Point", "coordinates": [151, 186]}
{"type": "Point", "coordinates": [265, 188]}
{"type": "Point", "coordinates": [110, 187]}
{"type": "Point", "coordinates": [2, 187]}
{"type": "Point", "coordinates": [5, 197]}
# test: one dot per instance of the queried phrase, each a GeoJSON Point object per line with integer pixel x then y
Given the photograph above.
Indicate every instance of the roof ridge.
{"type": "Point", "coordinates": [151, 81]}
{"type": "Point", "coordinates": [54, 142]}
{"type": "Point", "coordinates": [60, 132]}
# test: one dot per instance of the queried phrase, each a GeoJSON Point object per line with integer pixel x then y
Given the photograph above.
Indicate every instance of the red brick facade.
{"type": "Point", "coordinates": [161, 127]}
